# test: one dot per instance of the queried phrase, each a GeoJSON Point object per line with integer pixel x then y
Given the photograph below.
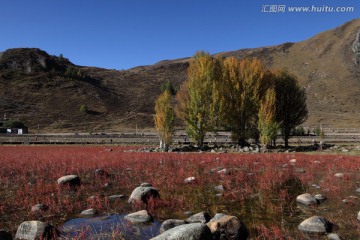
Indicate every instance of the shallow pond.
{"type": "Point", "coordinates": [108, 227]}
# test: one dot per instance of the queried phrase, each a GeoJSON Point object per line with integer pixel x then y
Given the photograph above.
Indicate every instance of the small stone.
{"type": "Point", "coordinates": [143, 194]}
{"type": "Point", "coordinates": [39, 208]}
{"type": "Point", "coordinates": [306, 199]}
{"type": "Point", "coordinates": [320, 197]}
{"type": "Point", "coordinates": [358, 216]}
{"type": "Point", "coordinates": [72, 180]}
{"type": "Point", "coordinates": [316, 224]}
{"type": "Point", "coordinates": [317, 162]}
{"type": "Point", "coordinates": [316, 186]}
{"type": "Point", "coordinates": [339, 175]}
{"type": "Point", "coordinates": [292, 161]}
{"type": "Point", "coordinates": [358, 190]}
{"type": "Point", "coordinates": [224, 171]}
{"type": "Point", "coordinates": [116, 197]}
{"type": "Point", "coordinates": [142, 216]}
{"type": "Point", "coordinates": [190, 180]}
{"type": "Point", "coordinates": [201, 217]}
{"type": "Point", "coordinates": [89, 212]}
{"type": "Point", "coordinates": [300, 170]}
{"type": "Point", "coordinates": [333, 236]}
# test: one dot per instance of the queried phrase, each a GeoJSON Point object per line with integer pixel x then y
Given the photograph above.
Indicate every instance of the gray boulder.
{"type": "Point", "coordinates": [306, 199]}
{"type": "Point", "coordinates": [201, 217]}
{"type": "Point", "coordinates": [228, 227]}
{"type": "Point", "coordinates": [142, 216]}
{"type": "Point", "coordinates": [71, 180]}
{"type": "Point", "coordinates": [192, 231]}
{"type": "Point", "coordinates": [170, 223]}
{"type": "Point", "coordinates": [4, 235]}
{"type": "Point", "coordinates": [34, 230]}
{"type": "Point", "coordinates": [316, 224]}
{"type": "Point", "coordinates": [143, 193]}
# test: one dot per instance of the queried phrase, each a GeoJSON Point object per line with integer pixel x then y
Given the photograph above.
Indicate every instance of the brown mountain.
{"type": "Point", "coordinates": [46, 91]}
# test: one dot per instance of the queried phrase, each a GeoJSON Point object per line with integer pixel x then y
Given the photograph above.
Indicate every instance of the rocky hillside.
{"type": "Point", "coordinates": [47, 91]}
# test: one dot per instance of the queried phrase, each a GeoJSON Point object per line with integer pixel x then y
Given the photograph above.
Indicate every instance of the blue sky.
{"type": "Point", "coordinates": [120, 34]}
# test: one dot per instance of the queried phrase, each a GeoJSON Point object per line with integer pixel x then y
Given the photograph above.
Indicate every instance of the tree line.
{"type": "Point", "coordinates": [240, 96]}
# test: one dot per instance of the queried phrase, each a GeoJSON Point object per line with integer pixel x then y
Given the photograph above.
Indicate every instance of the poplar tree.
{"type": "Point", "coordinates": [198, 104]}
{"type": "Point", "coordinates": [267, 124]}
{"type": "Point", "coordinates": [291, 109]}
{"type": "Point", "coordinates": [164, 119]}
{"type": "Point", "coordinates": [243, 84]}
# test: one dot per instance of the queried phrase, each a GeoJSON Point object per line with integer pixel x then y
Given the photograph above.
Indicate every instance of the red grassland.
{"type": "Point", "coordinates": [260, 189]}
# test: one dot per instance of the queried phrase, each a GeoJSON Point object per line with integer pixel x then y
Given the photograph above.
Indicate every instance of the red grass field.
{"type": "Point", "coordinates": [260, 189]}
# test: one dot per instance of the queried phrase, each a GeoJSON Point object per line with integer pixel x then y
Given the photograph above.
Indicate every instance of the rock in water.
{"type": "Point", "coordinates": [170, 223]}
{"type": "Point", "coordinates": [139, 217]}
{"type": "Point", "coordinates": [306, 199]}
{"type": "Point", "coordinates": [228, 227]}
{"type": "Point", "coordinates": [316, 224]}
{"type": "Point", "coordinates": [192, 231]}
{"type": "Point", "coordinates": [33, 230]}
{"type": "Point", "coordinates": [143, 193]}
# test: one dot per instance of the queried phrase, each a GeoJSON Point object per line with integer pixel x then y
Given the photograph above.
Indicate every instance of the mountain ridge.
{"type": "Point", "coordinates": [47, 91]}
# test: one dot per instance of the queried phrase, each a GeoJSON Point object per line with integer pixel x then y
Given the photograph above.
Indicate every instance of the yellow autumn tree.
{"type": "Point", "coordinates": [240, 97]}
{"type": "Point", "coordinates": [164, 119]}
{"type": "Point", "coordinates": [267, 125]}
{"type": "Point", "coordinates": [198, 104]}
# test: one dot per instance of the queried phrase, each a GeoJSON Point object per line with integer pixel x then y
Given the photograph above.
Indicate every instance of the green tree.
{"type": "Point", "coordinates": [267, 125]}
{"type": "Point", "coordinates": [198, 104]}
{"type": "Point", "coordinates": [291, 109]}
{"type": "Point", "coordinates": [164, 119]}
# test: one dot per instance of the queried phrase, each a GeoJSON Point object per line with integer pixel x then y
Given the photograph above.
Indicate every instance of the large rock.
{"type": "Point", "coordinates": [192, 231]}
{"type": "Point", "coordinates": [71, 180]}
{"type": "Point", "coordinates": [34, 230]}
{"type": "Point", "coordinates": [143, 193]}
{"type": "Point", "coordinates": [228, 227]}
{"type": "Point", "coordinates": [306, 199]}
{"type": "Point", "coordinates": [4, 235]}
{"type": "Point", "coordinates": [316, 224]}
{"type": "Point", "coordinates": [201, 217]}
{"type": "Point", "coordinates": [142, 216]}
{"type": "Point", "coordinates": [170, 223]}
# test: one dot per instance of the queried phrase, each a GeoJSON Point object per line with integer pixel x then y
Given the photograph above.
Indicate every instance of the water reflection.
{"type": "Point", "coordinates": [108, 227]}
